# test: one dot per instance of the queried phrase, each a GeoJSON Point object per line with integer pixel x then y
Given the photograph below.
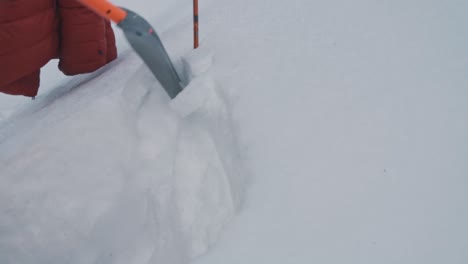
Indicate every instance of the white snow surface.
{"type": "Point", "coordinates": [350, 117]}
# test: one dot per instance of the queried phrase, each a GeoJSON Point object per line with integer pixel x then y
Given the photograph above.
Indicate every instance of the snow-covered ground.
{"type": "Point", "coordinates": [100, 168]}
{"type": "Point", "coordinates": [352, 122]}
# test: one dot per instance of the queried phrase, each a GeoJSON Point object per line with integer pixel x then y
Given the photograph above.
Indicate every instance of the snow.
{"type": "Point", "coordinates": [355, 117]}
{"type": "Point", "coordinates": [350, 117]}
{"type": "Point", "coordinates": [102, 169]}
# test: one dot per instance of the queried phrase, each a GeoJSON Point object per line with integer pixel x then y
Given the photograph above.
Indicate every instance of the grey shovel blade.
{"type": "Point", "coordinates": [145, 41]}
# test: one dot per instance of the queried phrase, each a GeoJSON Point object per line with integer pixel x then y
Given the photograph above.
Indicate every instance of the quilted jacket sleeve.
{"type": "Point", "coordinates": [87, 41]}
{"type": "Point", "coordinates": [28, 40]}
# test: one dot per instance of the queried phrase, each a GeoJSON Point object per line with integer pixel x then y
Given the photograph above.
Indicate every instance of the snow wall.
{"type": "Point", "coordinates": [103, 170]}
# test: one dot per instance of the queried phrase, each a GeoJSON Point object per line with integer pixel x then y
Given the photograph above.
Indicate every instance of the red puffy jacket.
{"type": "Point", "coordinates": [32, 32]}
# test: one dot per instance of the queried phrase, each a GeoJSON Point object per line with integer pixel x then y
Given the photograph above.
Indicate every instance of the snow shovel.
{"type": "Point", "coordinates": [144, 40]}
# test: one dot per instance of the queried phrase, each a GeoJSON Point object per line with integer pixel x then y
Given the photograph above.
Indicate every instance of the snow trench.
{"type": "Point", "coordinates": [106, 170]}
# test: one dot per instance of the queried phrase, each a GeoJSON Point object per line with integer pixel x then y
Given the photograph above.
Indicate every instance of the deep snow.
{"type": "Point", "coordinates": [100, 173]}
{"type": "Point", "coordinates": [354, 114]}
{"type": "Point", "coordinates": [101, 168]}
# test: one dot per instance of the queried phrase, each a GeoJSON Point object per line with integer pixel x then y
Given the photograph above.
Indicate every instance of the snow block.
{"type": "Point", "coordinates": [197, 62]}
{"type": "Point", "coordinates": [195, 95]}
{"type": "Point", "coordinates": [201, 86]}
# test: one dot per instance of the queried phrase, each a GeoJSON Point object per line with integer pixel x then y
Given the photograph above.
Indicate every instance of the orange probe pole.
{"type": "Point", "coordinates": [106, 9]}
{"type": "Point", "coordinates": [195, 24]}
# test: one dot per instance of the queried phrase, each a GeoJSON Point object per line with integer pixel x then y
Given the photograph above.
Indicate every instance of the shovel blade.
{"type": "Point", "coordinates": [147, 44]}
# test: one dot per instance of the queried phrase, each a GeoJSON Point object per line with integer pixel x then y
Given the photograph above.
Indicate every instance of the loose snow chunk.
{"type": "Point", "coordinates": [201, 87]}
{"type": "Point", "coordinates": [197, 62]}
{"type": "Point", "coordinates": [194, 96]}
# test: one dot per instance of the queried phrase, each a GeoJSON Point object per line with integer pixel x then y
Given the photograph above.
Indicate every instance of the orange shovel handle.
{"type": "Point", "coordinates": [106, 9]}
